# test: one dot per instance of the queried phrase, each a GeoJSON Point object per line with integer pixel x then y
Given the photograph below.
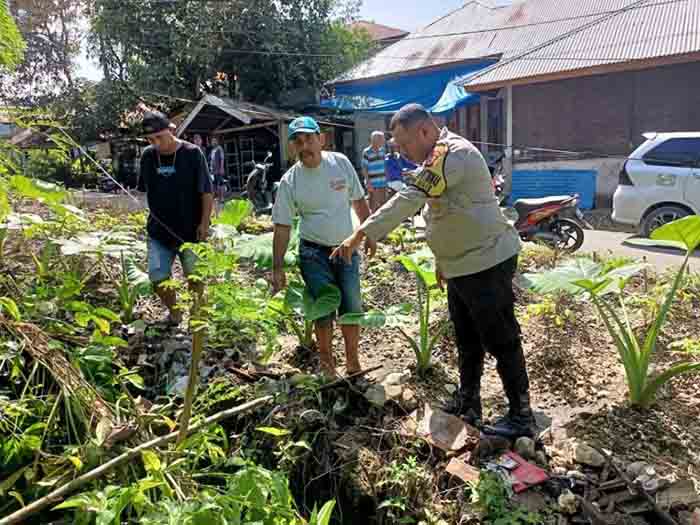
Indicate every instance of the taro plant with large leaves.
{"type": "Point", "coordinates": [255, 249]}
{"type": "Point", "coordinates": [422, 265]}
{"type": "Point", "coordinates": [605, 290]}
{"type": "Point", "coordinates": [133, 283]}
{"type": "Point", "coordinates": [298, 309]}
{"type": "Point", "coordinates": [258, 249]}
{"type": "Point", "coordinates": [227, 223]}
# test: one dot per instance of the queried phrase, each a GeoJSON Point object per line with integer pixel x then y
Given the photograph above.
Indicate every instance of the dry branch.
{"type": "Point", "coordinates": [68, 376]}
{"type": "Point", "coordinates": [197, 347]}
{"type": "Point", "coordinates": [344, 380]}
{"type": "Point", "coordinates": [663, 516]}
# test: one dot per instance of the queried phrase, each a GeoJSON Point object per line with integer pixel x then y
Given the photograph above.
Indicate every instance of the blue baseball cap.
{"type": "Point", "coordinates": [303, 125]}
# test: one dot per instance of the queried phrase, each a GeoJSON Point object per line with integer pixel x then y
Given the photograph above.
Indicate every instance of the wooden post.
{"type": "Point", "coordinates": [198, 333]}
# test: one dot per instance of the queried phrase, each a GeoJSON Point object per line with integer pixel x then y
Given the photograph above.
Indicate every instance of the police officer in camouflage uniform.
{"type": "Point", "coordinates": [476, 251]}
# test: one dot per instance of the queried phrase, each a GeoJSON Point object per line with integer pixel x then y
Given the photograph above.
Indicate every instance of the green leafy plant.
{"type": "Point", "coordinates": [406, 483]}
{"type": "Point", "coordinates": [491, 498]}
{"type": "Point", "coordinates": [103, 507]}
{"type": "Point", "coordinates": [235, 310]}
{"type": "Point", "coordinates": [422, 265]}
{"type": "Point", "coordinates": [13, 46]}
{"type": "Point", "coordinates": [9, 306]}
{"type": "Point", "coordinates": [234, 212]}
{"type": "Point", "coordinates": [688, 345]}
{"type": "Point", "coordinates": [400, 237]}
{"type": "Point", "coordinates": [585, 276]}
{"type": "Point", "coordinates": [133, 283]}
{"type": "Point", "coordinates": [258, 249]}
{"type": "Point", "coordinates": [85, 314]}
{"type": "Point", "coordinates": [551, 310]}
{"type": "Point", "coordinates": [298, 310]}
{"type": "Point", "coordinates": [287, 450]}
{"type": "Point", "coordinates": [100, 244]}
{"type": "Point", "coordinates": [226, 225]}
{"type": "Point", "coordinates": [252, 495]}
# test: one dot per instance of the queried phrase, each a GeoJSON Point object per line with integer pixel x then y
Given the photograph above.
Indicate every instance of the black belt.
{"type": "Point", "coordinates": [316, 246]}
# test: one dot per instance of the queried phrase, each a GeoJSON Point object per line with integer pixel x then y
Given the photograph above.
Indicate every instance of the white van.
{"type": "Point", "coordinates": [659, 182]}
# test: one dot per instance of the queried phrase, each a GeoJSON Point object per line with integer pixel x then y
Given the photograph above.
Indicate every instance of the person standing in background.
{"type": "Point", "coordinates": [396, 165]}
{"type": "Point", "coordinates": [175, 178]}
{"type": "Point", "coordinates": [197, 141]}
{"type": "Point", "coordinates": [217, 166]}
{"type": "Point", "coordinates": [373, 170]}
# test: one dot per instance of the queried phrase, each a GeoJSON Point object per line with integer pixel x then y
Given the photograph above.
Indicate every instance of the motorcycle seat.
{"type": "Point", "coordinates": [527, 205]}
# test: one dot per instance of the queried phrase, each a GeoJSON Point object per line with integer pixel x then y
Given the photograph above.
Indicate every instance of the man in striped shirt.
{"type": "Point", "coordinates": [373, 169]}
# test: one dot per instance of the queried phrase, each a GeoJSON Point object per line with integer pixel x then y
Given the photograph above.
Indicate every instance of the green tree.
{"type": "Point", "coordinates": [90, 109]}
{"type": "Point", "coordinates": [258, 48]}
{"type": "Point", "coordinates": [351, 46]}
{"type": "Point", "coordinates": [52, 30]}
{"type": "Point", "coordinates": [12, 44]}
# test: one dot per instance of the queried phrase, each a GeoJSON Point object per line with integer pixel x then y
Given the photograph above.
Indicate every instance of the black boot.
{"type": "Point", "coordinates": [467, 400]}
{"type": "Point", "coordinates": [466, 407]}
{"type": "Point", "coordinates": [519, 421]}
{"type": "Point", "coordinates": [470, 357]}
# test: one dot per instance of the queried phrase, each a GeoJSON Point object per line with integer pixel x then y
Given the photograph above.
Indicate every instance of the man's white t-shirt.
{"type": "Point", "coordinates": [321, 197]}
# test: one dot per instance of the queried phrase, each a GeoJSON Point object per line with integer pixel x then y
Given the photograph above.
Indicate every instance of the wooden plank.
{"type": "Point", "coordinates": [245, 128]}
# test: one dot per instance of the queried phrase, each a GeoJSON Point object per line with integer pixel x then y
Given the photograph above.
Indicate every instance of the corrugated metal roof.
{"type": "Point", "coordinates": [379, 32]}
{"type": "Point", "coordinates": [650, 29]}
{"type": "Point", "coordinates": [478, 30]}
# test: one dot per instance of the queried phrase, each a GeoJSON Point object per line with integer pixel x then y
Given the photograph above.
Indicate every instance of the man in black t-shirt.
{"type": "Point", "coordinates": [179, 191]}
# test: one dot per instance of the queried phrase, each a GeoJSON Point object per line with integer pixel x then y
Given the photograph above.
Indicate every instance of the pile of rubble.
{"type": "Point", "coordinates": [573, 481]}
{"type": "Point", "coordinates": [570, 481]}
{"type": "Point", "coordinates": [165, 356]}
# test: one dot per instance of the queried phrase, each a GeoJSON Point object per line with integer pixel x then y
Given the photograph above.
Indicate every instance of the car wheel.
{"type": "Point", "coordinates": [661, 216]}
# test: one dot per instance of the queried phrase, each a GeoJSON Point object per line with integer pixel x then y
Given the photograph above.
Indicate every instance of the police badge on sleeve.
{"type": "Point", "coordinates": [430, 177]}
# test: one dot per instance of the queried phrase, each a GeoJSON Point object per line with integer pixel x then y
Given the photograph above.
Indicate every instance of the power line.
{"type": "Point", "coordinates": [554, 40]}
{"type": "Point", "coordinates": [443, 58]}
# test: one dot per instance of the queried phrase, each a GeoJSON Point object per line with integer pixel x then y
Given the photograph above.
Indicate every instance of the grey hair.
{"type": "Point", "coordinates": [410, 115]}
{"type": "Point", "coordinates": [376, 134]}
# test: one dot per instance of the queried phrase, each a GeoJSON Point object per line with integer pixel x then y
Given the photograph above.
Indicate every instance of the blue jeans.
{"type": "Point", "coordinates": [318, 270]}
{"type": "Point", "coordinates": [161, 258]}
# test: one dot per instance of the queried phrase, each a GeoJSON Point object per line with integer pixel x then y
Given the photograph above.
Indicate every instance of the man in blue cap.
{"type": "Point", "coordinates": [321, 189]}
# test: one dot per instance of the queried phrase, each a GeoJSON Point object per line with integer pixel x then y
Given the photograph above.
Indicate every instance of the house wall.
{"type": "Point", "coordinates": [603, 114]}
{"type": "Point", "coordinates": [365, 124]}
{"type": "Point", "coordinates": [607, 170]}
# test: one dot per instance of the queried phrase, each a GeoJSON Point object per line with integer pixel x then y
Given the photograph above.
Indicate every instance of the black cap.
{"type": "Point", "coordinates": [154, 121]}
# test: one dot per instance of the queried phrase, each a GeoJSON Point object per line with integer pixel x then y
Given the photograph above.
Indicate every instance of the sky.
{"type": "Point", "coordinates": [403, 14]}
{"type": "Point", "coordinates": [410, 15]}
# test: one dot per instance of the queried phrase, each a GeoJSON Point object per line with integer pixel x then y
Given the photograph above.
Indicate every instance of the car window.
{"type": "Point", "coordinates": [675, 152]}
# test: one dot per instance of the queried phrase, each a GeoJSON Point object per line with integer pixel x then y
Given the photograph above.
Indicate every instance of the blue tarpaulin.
{"type": "Point", "coordinates": [436, 90]}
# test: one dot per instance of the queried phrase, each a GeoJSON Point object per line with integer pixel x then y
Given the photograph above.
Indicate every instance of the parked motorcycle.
{"type": "Point", "coordinates": [258, 190]}
{"type": "Point", "coordinates": [554, 221]}
{"type": "Point", "coordinates": [498, 179]}
{"type": "Point", "coordinates": [106, 184]}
